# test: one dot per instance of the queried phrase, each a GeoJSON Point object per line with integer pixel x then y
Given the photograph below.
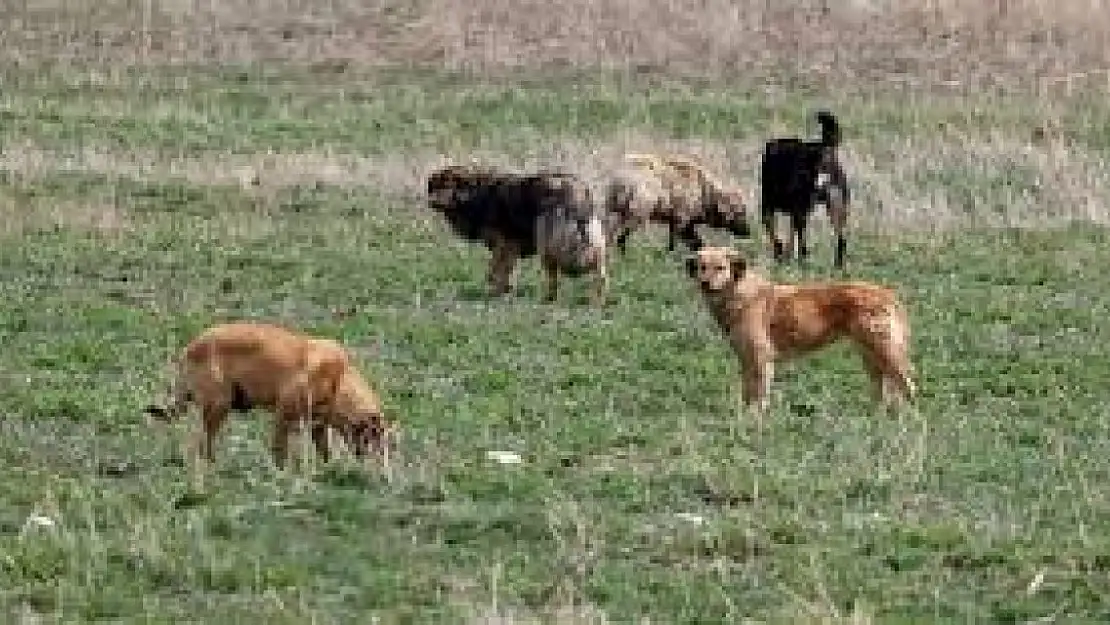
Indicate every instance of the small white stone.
{"type": "Point", "coordinates": [690, 517]}
{"type": "Point", "coordinates": [504, 457]}
{"type": "Point", "coordinates": [39, 520]}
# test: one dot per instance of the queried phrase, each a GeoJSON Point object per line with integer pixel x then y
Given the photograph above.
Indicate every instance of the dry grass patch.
{"type": "Point", "coordinates": [922, 182]}
{"type": "Point", "coordinates": [104, 219]}
{"type": "Point", "coordinates": [949, 44]}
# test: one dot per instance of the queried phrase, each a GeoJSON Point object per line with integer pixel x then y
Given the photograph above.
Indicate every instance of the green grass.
{"type": "Point", "coordinates": [626, 417]}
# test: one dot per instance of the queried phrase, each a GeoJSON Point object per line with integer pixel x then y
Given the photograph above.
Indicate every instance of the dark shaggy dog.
{"type": "Point", "coordinates": [796, 175]}
{"type": "Point", "coordinates": [517, 215]}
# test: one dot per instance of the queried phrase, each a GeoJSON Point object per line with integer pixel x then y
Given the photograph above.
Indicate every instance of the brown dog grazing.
{"type": "Point", "coordinates": [518, 215]}
{"type": "Point", "coordinates": [765, 321]}
{"type": "Point", "coordinates": [301, 379]}
{"type": "Point", "coordinates": [676, 191]}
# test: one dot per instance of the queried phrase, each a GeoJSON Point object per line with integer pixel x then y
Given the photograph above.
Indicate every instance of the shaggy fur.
{"type": "Point", "coordinates": [678, 192]}
{"type": "Point", "coordinates": [302, 380]}
{"type": "Point", "coordinates": [796, 175]}
{"type": "Point", "coordinates": [765, 322]}
{"type": "Point", "coordinates": [516, 216]}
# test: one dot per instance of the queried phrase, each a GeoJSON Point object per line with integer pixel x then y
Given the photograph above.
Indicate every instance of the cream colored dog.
{"type": "Point", "coordinates": [765, 321]}
{"type": "Point", "coordinates": [677, 191]}
{"type": "Point", "coordinates": [301, 379]}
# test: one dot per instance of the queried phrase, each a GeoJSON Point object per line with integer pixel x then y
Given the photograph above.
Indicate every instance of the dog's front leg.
{"type": "Point", "coordinates": [213, 415]}
{"type": "Point", "coordinates": [320, 440]}
{"type": "Point", "coordinates": [502, 263]}
{"type": "Point", "coordinates": [757, 360]}
{"type": "Point", "coordinates": [284, 426]}
{"type": "Point", "coordinates": [600, 286]}
{"type": "Point", "coordinates": [772, 235]}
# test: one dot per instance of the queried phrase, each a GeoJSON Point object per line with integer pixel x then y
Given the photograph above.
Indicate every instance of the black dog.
{"type": "Point", "coordinates": [796, 175]}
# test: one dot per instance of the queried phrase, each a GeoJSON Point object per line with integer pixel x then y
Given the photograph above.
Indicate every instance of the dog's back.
{"type": "Point", "coordinates": [810, 315]}
{"type": "Point", "coordinates": [481, 201]}
{"type": "Point", "coordinates": [248, 359]}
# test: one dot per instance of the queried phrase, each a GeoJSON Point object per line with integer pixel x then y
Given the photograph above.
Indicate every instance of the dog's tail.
{"type": "Point", "coordinates": [830, 128]}
{"type": "Point", "coordinates": [179, 397]}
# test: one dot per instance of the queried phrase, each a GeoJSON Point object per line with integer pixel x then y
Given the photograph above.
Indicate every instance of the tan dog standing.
{"type": "Point", "coordinates": [765, 321]}
{"type": "Point", "coordinates": [301, 379]}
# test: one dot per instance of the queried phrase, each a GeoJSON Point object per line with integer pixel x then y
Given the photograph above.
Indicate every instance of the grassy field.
{"type": "Point", "coordinates": [169, 166]}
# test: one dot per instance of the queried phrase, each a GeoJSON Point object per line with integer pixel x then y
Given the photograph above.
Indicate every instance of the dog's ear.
{"type": "Point", "coordinates": [692, 266]}
{"type": "Point", "coordinates": [738, 266]}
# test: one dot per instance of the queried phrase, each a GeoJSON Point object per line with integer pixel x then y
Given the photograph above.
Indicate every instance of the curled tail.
{"type": "Point", "coordinates": [830, 129]}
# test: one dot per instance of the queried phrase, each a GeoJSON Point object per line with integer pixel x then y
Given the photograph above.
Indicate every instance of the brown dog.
{"type": "Point", "coordinates": [301, 379]}
{"type": "Point", "coordinates": [765, 321]}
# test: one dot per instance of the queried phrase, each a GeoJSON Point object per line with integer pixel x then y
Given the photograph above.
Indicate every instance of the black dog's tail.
{"type": "Point", "coordinates": [830, 129]}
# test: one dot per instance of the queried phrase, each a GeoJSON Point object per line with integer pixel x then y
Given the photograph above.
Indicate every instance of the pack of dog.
{"type": "Point", "coordinates": [311, 382]}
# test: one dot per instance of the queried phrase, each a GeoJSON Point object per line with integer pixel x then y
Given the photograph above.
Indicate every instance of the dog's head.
{"type": "Point", "coordinates": [732, 209]}
{"type": "Point", "coordinates": [451, 185]}
{"type": "Point", "coordinates": [363, 422]}
{"type": "Point", "coordinates": [715, 268]}
{"type": "Point", "coordinates": [441, 186]}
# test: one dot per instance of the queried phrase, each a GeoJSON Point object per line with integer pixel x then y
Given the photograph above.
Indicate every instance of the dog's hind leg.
{"type": "Point", "coordinates": [501, 266]}
{"type": "Point", "coordinates": [838, 215]}
{"type": "Point", "coordinates": [672, 236]}
{"type": "Point", "coordinates": [551, 271]}
{"type": "Point", "coordinates": [798, 224]}
{"type": "Point", "coordinates": [213, 414]}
